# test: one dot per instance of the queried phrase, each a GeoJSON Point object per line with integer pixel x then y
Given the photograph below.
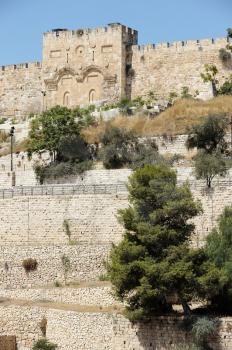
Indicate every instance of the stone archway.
{"type": "Point", "coordinates": [71, 88]}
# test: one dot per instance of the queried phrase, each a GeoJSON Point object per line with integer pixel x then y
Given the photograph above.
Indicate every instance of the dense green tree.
{"type": "Point", "coordinates": [54, 126]}
{"type": "Point", "coordinates": [207, 166]}
{"type": "Point", "coordinates": [50, 127]}
{"type": "Point", "coordinates": [219, 251]}
{"type": "Point", "coordinates": [153, 264]}
{"type": "Point", "coordinates": [210, 135]}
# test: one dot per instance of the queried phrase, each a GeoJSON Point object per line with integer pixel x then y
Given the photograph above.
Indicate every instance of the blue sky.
{"type": "Point", "coordinates": [22, 22]}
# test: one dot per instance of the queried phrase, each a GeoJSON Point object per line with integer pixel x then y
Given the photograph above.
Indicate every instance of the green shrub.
{"type": "Point", "coordinates": [30, 264]}
{"type": "Point", "coordinates": [185, 92]}
{"type": "Point", "coordinates": [44, 344]}
{"type": "Point", "coordinates": [226, 88]}
{"type": "Point", "coordinates": [145, 153]}
{"type": "Point", "coordinates": [39, 173]}
{"type": "Point", "coordinates": [117, 147]}
{"type": "Point", "coordinates": [104, 277]}
{"type": "Point", "coordinates": [61, 169]}
{"type": "Point", "coordinates": [202, 329]}
{"type": "Point", "coordinates": [224, 55]}
{"type": "Point", "coordinates": [3, 120]}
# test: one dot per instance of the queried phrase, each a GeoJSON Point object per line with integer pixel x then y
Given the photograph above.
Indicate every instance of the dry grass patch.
{"type": "Point", "coordinates": [18, 147]}
{"type": "Point", "coordinates": [173, 121]}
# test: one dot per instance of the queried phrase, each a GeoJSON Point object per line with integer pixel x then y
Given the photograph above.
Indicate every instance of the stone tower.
{"type": "Point", "coordinates": [86, 66]}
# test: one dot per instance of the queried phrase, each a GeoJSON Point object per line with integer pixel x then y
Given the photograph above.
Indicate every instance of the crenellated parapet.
{"type": "Point", "coordinates": [20, 66]}
{"type": "Point", "coordinates": [183, 45]}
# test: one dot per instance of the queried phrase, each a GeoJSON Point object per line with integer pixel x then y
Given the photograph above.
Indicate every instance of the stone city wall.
{"type": "Point", "coordinates": [87, 66]}
{"type": "Point", "coordinates": [86, 264]}
{"type": "Point", "coordinates": [40, 219]}
{"type": "Point", "coordinates": [20, 90]}
{"type": "Point", "coordinates": [93, 217]}
{"type": "Point", "coordinates": [100, 331]}
{"type": "Point", "coordinates": [165, 68]}
{"type": "Point", "coordinates": [29, 223]}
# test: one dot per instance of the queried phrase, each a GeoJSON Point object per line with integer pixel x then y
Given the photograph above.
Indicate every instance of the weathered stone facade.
{"type": "Point", "coordinates": [105, 64]}
{"type": "Point", "coordinates": [100, 331]}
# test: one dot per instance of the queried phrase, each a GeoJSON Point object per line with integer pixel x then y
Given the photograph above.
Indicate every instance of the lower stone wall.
{"type": "Point", "coordinates": [92, 218]}
{"type": "Point", "coordinates": [213, 203]}
{"type": "Point", "coordinates": [100, 331]}
{"type": "Point", "coordinates": [40, 219]}
{"type": "Point", "coordinates": [100, 296]}
{"type": "Point", "coordinates": [86, 264]}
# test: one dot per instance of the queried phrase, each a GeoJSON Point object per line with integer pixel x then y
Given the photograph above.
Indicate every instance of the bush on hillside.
{"type": "Point", "coordinates": [210, 135]}
{"type": "Point", "coordinates": [146, 153]}
{"type": "Point", "coordinates": [61, 169]}
{"type": "Point", "coordinates": [44, 344]}
{"type": "Point", "coordinates": [118, 146]}
{"type": "Point", "coordinates": [226, 88]}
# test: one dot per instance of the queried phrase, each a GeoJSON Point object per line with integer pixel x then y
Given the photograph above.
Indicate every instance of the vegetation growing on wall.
{"type": "Point", "coordinates": [30, 264]}
{"type": "Point", "coordinates": [201, 328]}
{"type": "Point", "coordinates": [44, 344]}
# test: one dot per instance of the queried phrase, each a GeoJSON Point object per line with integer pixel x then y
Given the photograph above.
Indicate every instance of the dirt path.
{"type": "Point", "coordinates": [61, 306]}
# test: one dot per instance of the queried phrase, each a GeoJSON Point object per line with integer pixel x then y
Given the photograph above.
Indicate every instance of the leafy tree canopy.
{"type": "Point", "coordinates": [219, 251]}
{"type": "Point", "coordinates": [209, 136]}
{"type": "Point", "coordinates": [207, 166]}
{"type": "Point", "coordinates": [153, 263]}
{"type": "Point", "coordinates": [54, 125]}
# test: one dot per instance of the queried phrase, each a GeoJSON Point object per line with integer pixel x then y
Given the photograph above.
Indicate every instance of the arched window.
{"type": "Point", "coordinates": [92, 95]}
{"type": "Point", "coordinates": [66, 99]}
